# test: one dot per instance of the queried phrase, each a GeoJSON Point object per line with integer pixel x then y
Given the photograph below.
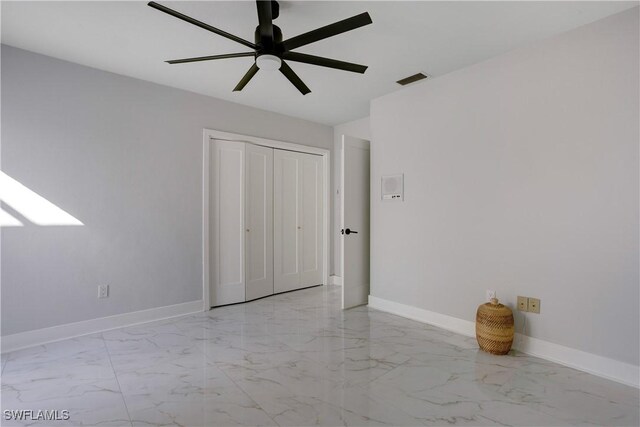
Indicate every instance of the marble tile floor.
{"type": "Point", "coordinates": [297, 359]}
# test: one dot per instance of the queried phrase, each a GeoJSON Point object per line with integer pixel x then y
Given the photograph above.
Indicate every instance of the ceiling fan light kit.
{"type": "Point", "coordinates": [270, 50]}
{"type": "Point", "coordinates": [268, 62]}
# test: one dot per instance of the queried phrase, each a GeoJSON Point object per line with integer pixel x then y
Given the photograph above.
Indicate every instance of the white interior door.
{"type": "Point", "coordinates": [355, 221]}
{"type": "Point", "coordinates": [310, 223]}
{"type": "Point", "coordinates": [226, 216]}
{"type": "Point", "coordinates": [286, 195]}
{"type": "Point", "coordinates": [258, 221]}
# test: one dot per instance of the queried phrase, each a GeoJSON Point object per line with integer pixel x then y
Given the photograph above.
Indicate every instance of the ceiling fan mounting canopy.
{"type": "Point", "coordinates": [269, 48]}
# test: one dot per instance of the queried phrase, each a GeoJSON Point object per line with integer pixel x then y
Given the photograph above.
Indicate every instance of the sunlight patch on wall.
{"type": "Point", "coordinates": [6, 220]}
{"type": "Point", "coordinates": [31, 205]}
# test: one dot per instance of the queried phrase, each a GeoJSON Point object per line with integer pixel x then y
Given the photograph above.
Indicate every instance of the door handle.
{"type": "Point", "coordinates": [348, 231]}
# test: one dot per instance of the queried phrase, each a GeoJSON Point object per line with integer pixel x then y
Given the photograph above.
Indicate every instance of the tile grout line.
{"type": "Point", "coordinates": [246, 394]}
{"type": "Point", "coordinates": [424, 421]}
{"type": "Point", "coordinates": [270, 334]}
{"type": "Point", "coordinates": [115, 375]}
{"type": "Point", "coordinates": [302, 356]}
{"type": "Point", "coordinates": [198, 349]}
{"type": "Point", "coordinates": [235, 384]}
{"type": "Point", "coordinates": [361, 387]}
{"type": "Point", "coordinates": [5, 363]}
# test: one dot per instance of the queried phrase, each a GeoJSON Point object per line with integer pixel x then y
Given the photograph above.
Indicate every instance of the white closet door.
{"type": "Point", "coordinates": [310, 186]}
{"type": "Point", "coordinates": [298, 229]}
{"type": "Point", "coordinates": [227, 222]}
{"type": "Point", "coordinates": [258, 221]}
{"type": "Point", "coordinates": [286, 271]}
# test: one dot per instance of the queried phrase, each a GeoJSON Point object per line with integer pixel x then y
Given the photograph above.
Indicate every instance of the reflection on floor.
{"type": "Point", "coordinates": [297, 359]}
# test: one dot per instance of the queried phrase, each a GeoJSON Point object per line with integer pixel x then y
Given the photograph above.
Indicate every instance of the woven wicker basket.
{"type": "Point", "coordinates": [494, 327]}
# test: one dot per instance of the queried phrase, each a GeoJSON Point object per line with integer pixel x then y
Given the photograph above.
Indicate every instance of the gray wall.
{"type": "Point", "coordinates": [360, 129]}
{"type": "Point", "coordinates": [123, 156]}
{"type": "Point", "coordinates": [521, 175]}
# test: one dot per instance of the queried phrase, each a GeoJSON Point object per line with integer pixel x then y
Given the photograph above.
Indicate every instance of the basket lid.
{"type": "Point", "coordinates": [494, 306]}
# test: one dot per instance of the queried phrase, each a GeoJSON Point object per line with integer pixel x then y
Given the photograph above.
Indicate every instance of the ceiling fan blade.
{"type": "Point", "coordinates": [328, 31]}
{"type": "Point", "coordinates": [324, 62]}
{"type": "Point", "coordinates": [200, 24]}
{"type": "Point", "coordinates": [209, 58]}
{"type": "Point", "coordinates": [294, 79]}
{"type": "Point", "coordinates": [252, 72]}
{"type": "Point", "coordinates": [265, 19]}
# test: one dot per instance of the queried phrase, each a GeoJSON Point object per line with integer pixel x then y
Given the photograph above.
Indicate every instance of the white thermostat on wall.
{"type": "Point", "coordinates": [393, 187]}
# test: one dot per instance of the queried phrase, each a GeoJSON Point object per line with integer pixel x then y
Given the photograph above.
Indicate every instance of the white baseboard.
{"type": "Point", "coordinates": [601, 366]}
{"type": "Point", "coordinates": [71, 330]}
{"type": "Point", "coordinates": [335, 280]}
{"type": "Point", "coordinates": [443, 321]}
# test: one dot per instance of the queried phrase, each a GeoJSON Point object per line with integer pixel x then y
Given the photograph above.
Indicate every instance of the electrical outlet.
{"type": "Point", "coordinates": [490, 294]}
{"type": "Point", "coordinates": [103, 291]}
{"type": "Point", "coordinates": [523, 303]}
{"type": "Point", "coordinates": [534, 305]}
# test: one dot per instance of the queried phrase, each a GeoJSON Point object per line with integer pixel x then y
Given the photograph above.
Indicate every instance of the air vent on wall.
{"type": "Point", "coordinates": [412, 79]}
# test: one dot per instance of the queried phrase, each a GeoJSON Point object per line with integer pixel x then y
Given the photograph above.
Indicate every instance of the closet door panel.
{"type": "Point", "coordinates": [227, 222]}
{"type": "Point", "coordinates": [289, 216]}
{"type": "Point", "coordinates": [311, 208]}
{"type": "Point", "coordinates": [258, 221]}
{"type": "Point", "coordinates": [286, 221]}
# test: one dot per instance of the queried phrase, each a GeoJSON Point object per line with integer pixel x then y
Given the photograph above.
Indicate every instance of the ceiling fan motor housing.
{"type": "Point", "coordinates": [265, 45]}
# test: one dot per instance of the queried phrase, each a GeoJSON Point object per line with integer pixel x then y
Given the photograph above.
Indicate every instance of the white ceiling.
{"type": "Point", "coordinates": [133, 39]}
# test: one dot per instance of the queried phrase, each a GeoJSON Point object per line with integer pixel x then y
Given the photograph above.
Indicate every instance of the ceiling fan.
{"type": "Point", "coordinates": [270, 50]}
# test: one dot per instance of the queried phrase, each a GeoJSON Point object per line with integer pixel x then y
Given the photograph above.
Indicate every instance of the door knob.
{"type": "Point", "coordinates": [348, 231]}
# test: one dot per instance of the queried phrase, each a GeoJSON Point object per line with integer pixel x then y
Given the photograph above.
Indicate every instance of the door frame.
{"type": "Point", "coordinates": [207, 136]}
